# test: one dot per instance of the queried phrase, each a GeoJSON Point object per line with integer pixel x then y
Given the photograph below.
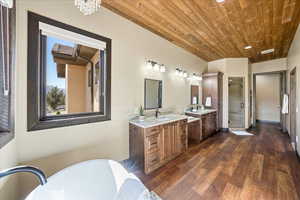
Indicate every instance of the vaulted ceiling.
{"type": "Point", "coordinates": [214, 30]}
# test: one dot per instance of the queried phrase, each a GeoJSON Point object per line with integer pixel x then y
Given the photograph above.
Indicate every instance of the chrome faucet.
{"type": "Point", "coordinates": [39, 173]}
{"type": "Point", "coordinates": [156, 112]}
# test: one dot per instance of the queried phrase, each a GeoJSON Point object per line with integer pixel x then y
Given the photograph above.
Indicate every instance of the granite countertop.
{"type": "Point", "coordinates": [192, 119]}
{"type": "Point", "coordinates": [201, 112]}
{"type": "Point", "coordinates": [162, 119]}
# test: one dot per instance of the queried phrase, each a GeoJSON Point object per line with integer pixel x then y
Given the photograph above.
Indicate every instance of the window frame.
{"type": "Point", "coordinates": [36, 118]}
{"type": "Point", "coordinates": [7, 134]}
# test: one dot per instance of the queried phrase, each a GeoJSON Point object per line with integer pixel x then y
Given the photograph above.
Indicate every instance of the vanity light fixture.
{"type": "Point", "coordinates": [248, 47]}
{"type": "Point", "coordinates": [199, 78]}
{"type": "Point", "coordinates": [220, 1]}
{"type": "Point", "coordinates": [195, 77]}
{"type": "Point", "coordinates": [155, 66]}
{"type": "Point", "coordinates": [181, 72]}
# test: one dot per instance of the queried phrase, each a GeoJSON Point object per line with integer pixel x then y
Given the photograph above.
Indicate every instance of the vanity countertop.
{"type": "Point", "coordinates": [162, 119]}
{"type": "Point", "coordinates": [201, 112]}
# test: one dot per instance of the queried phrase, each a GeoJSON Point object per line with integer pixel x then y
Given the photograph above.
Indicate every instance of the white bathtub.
{"type": "Point", "coordinates": [92, 180]}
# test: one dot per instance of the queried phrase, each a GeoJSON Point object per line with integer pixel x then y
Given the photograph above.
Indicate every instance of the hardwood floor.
{"type": "Point", "coordinates": [231, 167]}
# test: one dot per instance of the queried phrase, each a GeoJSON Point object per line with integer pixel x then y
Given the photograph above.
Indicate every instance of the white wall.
{"type": "Point", "coordinates": [9, 185]}
{"type": "Point", "coordinates": [54, 149]}
{"type": "Point", "coordinates": [232, 67]}
{"type": "Point", "coordinates": [294, 61]}
{"type": "Point", "coordinates": [268, 97]}
{"type": "Point", "coordinates": [269, 66]}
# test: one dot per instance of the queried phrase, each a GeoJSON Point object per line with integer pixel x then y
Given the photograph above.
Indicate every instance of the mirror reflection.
{"type": "Point", "coordinates": [153, 94]}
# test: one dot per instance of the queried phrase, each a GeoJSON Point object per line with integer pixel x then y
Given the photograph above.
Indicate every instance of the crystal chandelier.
{"type": "Point", "coordinates": [88, 7]}
{"type": "Point", "coordinates": [7, 3]}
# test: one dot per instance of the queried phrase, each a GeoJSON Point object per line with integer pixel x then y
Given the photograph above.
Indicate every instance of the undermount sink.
{"type": "Point", "coordinates": [163, 118]}
{"type": "Point", "coordinates": [159, 119]}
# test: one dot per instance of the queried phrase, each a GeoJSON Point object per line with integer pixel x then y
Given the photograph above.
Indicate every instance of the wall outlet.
{"type": "Point", "coordinates": [297, 139]}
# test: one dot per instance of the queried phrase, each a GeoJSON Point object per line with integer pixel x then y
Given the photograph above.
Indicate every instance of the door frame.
{"type": "Point", "coordinates": [283, 90]}
{"type": "Point", "coordinates": [293, 137]}
{"type": "Point", "coordinates": [244, 100]}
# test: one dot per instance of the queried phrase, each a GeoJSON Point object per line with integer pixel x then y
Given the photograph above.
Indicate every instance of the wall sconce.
{"type": "Point", "coordinates": [180, 72]}
{"type": "Point", "coordinates": [196, 77]}
{"type": "Point", "coordinates": [155, 66]}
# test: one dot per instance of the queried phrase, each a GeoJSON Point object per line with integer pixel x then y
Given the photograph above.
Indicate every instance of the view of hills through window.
{"type": "Point", "coordinates": [72, 77]}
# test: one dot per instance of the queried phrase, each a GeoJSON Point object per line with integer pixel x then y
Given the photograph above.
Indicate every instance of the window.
{"type": "Point", "coordinates": [7, 50]}
{"type": "Point", "coordinates": [71, 68]}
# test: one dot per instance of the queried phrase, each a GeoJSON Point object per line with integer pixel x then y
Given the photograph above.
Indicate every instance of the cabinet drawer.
{"type": "Point", "coordinates": [152, 143]}
{"type": "Point", "coordinates": [153, 130]}
{"type": "Point", "coordinates": [153, 159]}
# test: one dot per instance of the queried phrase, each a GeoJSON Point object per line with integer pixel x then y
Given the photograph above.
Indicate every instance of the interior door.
{"type": "Point", "coordinates": [268, 102]}
{"type": "Point", "coordinates": [293, 107]}
{"type": "Point", "coordinates": [236, 102]}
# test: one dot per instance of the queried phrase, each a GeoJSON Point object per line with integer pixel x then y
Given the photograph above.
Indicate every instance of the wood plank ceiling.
{"type": "Point", "coordinates": [214, 30]}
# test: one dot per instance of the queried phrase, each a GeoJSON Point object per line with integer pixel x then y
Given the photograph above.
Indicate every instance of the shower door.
{"type": "Point", "coordinates": [236, 102]}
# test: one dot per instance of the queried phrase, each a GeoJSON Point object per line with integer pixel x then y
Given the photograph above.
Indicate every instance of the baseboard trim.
{"type": "Point", "coordinates": [224, 129]}
{"type": "Point", "coordinates": [267, 121]}
{"type": "Point", "coordinates": [250, 127]}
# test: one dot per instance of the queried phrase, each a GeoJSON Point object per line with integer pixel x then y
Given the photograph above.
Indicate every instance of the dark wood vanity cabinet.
{"type": "Point", "coordinates": [194, 131]}
{"type": "Point", "coordinates": [203, 128]}
{"type": "Point", "coordinates": [209, 124]}
{"type": "Point", "coordinates": [150, 148]}
{"type": "Point", "coordinates": [212, 86]}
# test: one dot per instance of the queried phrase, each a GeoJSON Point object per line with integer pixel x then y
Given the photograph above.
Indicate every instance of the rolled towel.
{"type": "Point", "coordinates": [285, 104]}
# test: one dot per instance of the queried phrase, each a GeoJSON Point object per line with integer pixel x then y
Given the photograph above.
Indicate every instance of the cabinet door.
{"type": "Point", "coordinates": [209, 124]}
{"type": "Point", "coordinates": [214, 122]}
{"type": "Point", "coordinates": [194, 131]}
{"type": "Point", "coordinates": [168, 141]}
{"type": "Point", "coordinates": [181, 137]}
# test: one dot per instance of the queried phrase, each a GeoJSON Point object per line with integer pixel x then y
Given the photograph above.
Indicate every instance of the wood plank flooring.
{"type": "Point", "coordinates": [231, 167]}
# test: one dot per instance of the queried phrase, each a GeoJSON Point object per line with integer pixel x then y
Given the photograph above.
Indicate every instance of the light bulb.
{"type": "Point", "coordinates": [162, 68]}
{"type": "Point", "coordinates": [156, 67]}
{"type": "Point", "coordinates": [149, 65]}
{"type": "Point", "coordinates": [185, 74]}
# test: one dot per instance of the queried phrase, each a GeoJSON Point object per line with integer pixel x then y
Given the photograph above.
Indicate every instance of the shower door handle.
{"type": "Point", "coordinates": [242, 106]}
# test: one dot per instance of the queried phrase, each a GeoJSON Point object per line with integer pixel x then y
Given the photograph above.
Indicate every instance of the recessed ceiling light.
{"type": "Point", "coordinates": [267, 51]}
{"type": "Point", "coordinates": [248, 47]}
{"type": "Point", "coordinates": [220, 1]}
